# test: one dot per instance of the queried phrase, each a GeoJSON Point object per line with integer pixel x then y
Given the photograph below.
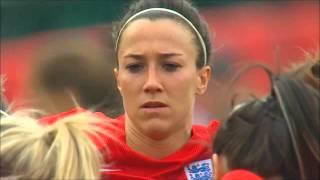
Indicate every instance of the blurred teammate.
{"type": "Point", "coordinates": [277, 136]}
{"type": "Point", "coordinates": [62, 150]}
{"type": "Point", "coordinates": [72, 72]}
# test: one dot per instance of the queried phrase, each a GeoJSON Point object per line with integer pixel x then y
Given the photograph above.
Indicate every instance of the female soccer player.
{"type": "Point", "coordinates": [163, 50]}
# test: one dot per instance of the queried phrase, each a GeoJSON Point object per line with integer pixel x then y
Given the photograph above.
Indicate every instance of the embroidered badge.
{"type": "Point", "coordinates": [199, 170]}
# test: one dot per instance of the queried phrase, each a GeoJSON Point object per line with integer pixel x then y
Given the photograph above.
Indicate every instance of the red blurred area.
{"type": "Point", "coordinates": [273, 34]}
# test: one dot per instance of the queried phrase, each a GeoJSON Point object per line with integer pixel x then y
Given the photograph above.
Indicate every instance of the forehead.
{"type": "Point", "coordinates": [147, 31]}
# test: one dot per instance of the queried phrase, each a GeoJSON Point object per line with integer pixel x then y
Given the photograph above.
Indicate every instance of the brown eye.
{"type": "Point", "coordinates": [135, 68]}
{"type": "Point", "coordinates": [171, 67]}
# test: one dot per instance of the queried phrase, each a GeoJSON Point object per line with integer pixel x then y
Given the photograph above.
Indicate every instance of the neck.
{"type": "Point", "coordinates": [156, 148]}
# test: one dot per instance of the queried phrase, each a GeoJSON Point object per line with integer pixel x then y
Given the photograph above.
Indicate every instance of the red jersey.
{"type": "Point", "coordinates": [192, 161]}
{"type": "Point", "coordinates": [241, 174]}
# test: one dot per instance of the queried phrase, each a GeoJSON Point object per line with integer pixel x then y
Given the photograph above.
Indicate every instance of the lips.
{"type": "Point", "coordinates": [154, 104]}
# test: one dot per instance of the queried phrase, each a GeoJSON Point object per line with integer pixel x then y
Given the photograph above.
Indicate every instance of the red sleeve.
{"type": "Point", "coordinates": [241, 175]}
{"type": "Point", "coordinates": [213, 127]}
{"type": "Point", "coordinates": [53, 118]}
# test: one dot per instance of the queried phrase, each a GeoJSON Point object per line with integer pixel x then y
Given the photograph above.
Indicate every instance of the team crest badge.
{"type": "Point", "coordinates": [199, 170]}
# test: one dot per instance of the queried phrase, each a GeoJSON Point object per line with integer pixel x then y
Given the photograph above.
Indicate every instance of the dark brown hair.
{"type": "Point", "coordinates": [275, 136]}
{"type": "Point", "coordinates": [308, 71]}
{"type": "Point", "coordinates": [3, 103]}
{"type": "Point", "coordinates": [183, 7]}
{"type": "Point", "coordinates": [76, 64]}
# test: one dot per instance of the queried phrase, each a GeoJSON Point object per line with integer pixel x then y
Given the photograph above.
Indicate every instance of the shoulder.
{"type": "Point", "coordinates": [241, 175]}
{"type": "Point", "coordinates": [47, 120]}
{"type": "Point", "coordinates": [211, 129]}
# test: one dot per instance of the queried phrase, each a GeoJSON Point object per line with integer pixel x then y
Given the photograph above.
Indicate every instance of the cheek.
{"type": "Point", "coordinates": [125, 81]}
{"type": "Point", "coordinates": [129, 87]}
{"type": "Point", "coordinates": [183, 85]}
{"type": "Point", "coordinates": [182, 93]}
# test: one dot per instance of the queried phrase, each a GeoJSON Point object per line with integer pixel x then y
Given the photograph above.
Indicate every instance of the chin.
{"type": "Point", "coordinates": [157, 130]}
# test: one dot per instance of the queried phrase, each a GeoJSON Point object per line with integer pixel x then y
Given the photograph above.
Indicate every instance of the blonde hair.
{"type": "Point", "coordinates": [62, 150]}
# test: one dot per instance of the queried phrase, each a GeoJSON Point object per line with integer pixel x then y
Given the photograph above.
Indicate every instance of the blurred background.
{"type": "Point", "coordinates": [37, 34]}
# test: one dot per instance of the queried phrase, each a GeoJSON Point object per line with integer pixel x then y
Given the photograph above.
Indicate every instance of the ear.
{"type": "Point", "coordinates": [116, 75]}
{"type": "Point", "coordinates": [217, 167]}
{"type": "Point", "coordinates": [203, 78]}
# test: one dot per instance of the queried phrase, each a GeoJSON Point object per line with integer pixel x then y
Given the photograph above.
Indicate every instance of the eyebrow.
{"type": "Point", "coordinates": [161, 55]}
{"type": "Point", "coordinates": [169, 54]}
{"type": "Point", "coordinates": [135, 56]}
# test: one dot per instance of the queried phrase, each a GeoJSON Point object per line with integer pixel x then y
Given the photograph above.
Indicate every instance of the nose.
{"type": "Point", "coordinates": [152, 83]}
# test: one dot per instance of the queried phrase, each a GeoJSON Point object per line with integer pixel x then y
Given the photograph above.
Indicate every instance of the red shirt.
{"type": "Point", "coordinates": [241, 174]}
{"type": "Point", "coordinates": [192, 161]}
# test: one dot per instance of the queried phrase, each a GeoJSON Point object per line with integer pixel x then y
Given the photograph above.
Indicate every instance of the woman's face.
{"type": "Point", "coordinates": [157, 76]}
